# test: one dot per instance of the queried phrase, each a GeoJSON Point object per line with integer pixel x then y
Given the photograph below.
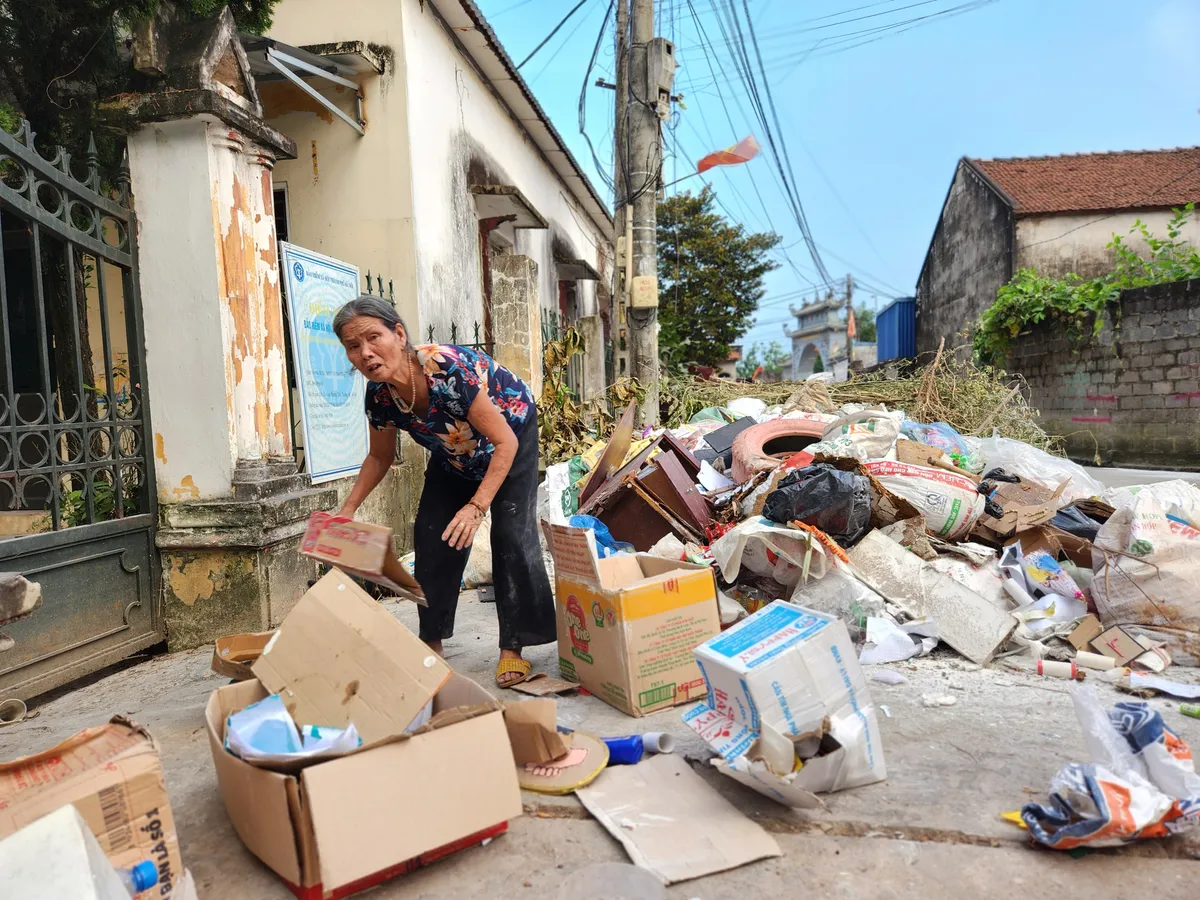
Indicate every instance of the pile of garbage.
{"type": "Point", "coordinates": [908, 535]}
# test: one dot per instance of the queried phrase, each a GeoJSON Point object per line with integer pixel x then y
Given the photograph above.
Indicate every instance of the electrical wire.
{"type": "Point", "coordinates": [587, 75]}
{"type": "Point", "coordinates": [561, 46]}
{"type": "Point", "coordinates": [553, 32]}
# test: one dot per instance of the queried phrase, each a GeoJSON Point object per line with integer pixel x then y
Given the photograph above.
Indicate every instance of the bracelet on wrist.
{"type": "Point", "coordinates": [482, 509]}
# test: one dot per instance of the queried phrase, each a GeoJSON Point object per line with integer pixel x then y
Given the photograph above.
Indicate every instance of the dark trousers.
{"type": "Point", "coordinates": [524, 601]}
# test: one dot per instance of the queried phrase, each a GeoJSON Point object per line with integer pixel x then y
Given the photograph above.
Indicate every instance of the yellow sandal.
{"type": "Point", "coordinates": [521, 666]}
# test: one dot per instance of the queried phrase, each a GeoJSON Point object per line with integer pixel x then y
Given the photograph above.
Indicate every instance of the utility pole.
{"type": "Point", "coordinates": [643, 167]}
{"type": "Point", "coordinates": [849, 319]}
{"type": "Point", "coordinates": [620, 193]}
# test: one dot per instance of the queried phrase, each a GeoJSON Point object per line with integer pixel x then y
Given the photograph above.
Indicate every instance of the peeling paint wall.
{"type": "Point", "coordinates": [248, 290]}
{"type": "Point", "coordinates": [451, 111]}
{"type": "Point", "coordinates": [211, 305]}
{"type": "Point", "coordinates": [349, 197]}
{"type": "Point", "coordinates": [397, 200]}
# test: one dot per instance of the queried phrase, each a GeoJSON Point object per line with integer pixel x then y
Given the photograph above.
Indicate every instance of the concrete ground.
{"type": "Point", "coordinates": [1114, 477]}
{"type": "Point", "coordinates": [933, 830]}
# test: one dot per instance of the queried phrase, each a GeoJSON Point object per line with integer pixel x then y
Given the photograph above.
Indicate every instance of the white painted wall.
{"type": "Point", "coordinates": [194, 435]}
{"type": "Point", "coordinates": [1057, 245]}
{"type": "Point", "coordinates": [350, 197]}
{"type": "Point", "coordinates": [452, 115]}
{"type": "Point", "coordinates": [396, 200]}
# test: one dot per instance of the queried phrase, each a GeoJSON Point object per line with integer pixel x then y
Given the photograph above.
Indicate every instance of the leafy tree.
{"type": "Point", "coordinates": [710, 273]}
{"type": "Point", "coordinates": [58, 57]}
{"type": "Point", "coordinates": [864, 323]}
{"type": "Point", "coordinates": [769, 359]}
{"type": "Point", "coordinates": [818, 365]}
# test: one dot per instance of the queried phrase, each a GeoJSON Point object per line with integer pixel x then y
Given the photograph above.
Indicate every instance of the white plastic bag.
{"type": "Point", "coordinates": [862, 435]}
{"type": "Point", "coordinates": [550, 494]}
{"type": "Point", "coordinates": [1147, 563]}
{"type": "Point", "coordinates": [265, 732]}
{"type": "Point", "coordinates": [479, 563]}
{"type": "Point", "coordinates": [1179, 496]}
{"type": "Point", "coordinates": [765, 548]}
{"type": "Point", "coordinates": [1019, 458]}
{"type": "Point", "coordinates": [747, 406]}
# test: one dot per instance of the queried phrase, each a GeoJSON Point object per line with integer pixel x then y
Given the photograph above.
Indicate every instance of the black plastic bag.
{"type": "Point", "coordinates": [1076, 522]}
{"type": "Point", "coordinates": [838, 503]}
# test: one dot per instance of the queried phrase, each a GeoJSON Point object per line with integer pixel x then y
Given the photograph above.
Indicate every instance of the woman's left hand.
{"type": "Point", "coordinates": [461, 530]}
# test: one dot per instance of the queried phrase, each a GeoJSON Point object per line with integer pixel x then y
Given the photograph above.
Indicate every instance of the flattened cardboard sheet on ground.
{"type": "Point", "coordinates": [671, 822]}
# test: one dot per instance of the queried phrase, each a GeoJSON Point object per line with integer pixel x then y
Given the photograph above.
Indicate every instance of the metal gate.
{"type": "Point", "coordinates": [77, 499]}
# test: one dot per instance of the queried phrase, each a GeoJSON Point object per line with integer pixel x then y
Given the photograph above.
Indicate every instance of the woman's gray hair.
{"type": "Point", "coordinates": [366, 305]}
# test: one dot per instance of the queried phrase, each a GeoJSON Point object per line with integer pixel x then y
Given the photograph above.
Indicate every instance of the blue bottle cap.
{"type": "Point", "coordinates": [144, 875]}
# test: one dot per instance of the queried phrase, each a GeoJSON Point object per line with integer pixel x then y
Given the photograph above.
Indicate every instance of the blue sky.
{"type": "Point", "coordinates": [874, 131]}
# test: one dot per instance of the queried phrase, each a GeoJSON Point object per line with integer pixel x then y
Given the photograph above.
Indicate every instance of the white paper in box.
{"type": "Point", "coordinates": [784, 674]}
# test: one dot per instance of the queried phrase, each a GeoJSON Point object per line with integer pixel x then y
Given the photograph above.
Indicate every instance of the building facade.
{"type": "Point", "coordinates": [1055, 215]}
{"type": "Point", "coordinates": [395, 136]}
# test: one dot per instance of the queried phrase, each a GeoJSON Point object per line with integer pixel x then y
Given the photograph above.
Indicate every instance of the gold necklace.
{"type": "Point", "coordinates": [405, 405]}
{"type": "Point", "coordinates": [412, 384]}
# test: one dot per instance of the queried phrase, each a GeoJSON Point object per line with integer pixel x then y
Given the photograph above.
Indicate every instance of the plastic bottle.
{"type": "Point", "coordinates": [628, 751]}
{"type": "Point", "coordinates": [140, 878]}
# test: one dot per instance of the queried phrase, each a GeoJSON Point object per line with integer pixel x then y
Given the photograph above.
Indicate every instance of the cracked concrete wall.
{"type": "Point", "coordinates": [1057, 245]}
{"type": "Point", "coordinates": [516, 318]}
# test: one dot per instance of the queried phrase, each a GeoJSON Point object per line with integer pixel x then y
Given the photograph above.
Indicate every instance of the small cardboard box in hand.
{"type": "Point", "coordinates": [358, 548]}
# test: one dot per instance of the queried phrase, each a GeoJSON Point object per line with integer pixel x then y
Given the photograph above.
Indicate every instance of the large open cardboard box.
{"type": "Point", "coordinates": [349, 823]}
{"type": "Point", "coordinates": [401, 800]}
{"type": "Point", "coordinates": [113, 776]}
{"type": "Point", "coordinates": [627, 625]}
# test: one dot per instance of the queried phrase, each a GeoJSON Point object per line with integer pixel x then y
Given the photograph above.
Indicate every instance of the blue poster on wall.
{"type": "Point", "coordinates": [331, 391]}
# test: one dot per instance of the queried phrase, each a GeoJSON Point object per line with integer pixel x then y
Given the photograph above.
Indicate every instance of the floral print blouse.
{"type": "Point", "coordinates": [455, 376]}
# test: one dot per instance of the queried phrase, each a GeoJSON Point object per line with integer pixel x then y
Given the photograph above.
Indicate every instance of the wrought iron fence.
{"type": "Point", "coordinates": [72, 410]}
{"type": "Point", "coordinates": [434, 335]}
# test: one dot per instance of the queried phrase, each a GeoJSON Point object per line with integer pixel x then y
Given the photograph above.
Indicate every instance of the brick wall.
{"type": "Point", "coordinates": [1132, 397]}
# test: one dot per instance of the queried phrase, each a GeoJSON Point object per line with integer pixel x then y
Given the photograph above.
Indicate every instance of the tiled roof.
{"type": "Point", "coordinates": [1094, 182]}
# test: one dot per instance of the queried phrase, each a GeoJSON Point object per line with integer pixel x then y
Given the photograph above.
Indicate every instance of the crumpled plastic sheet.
{"type": "Point", "coordinates": [1141, 783]}
{"type": "Point", "coordinates": [786, 554]}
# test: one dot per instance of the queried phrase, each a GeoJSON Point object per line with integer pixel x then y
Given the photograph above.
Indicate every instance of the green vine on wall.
{"type": "Point", "coordinates": [1079, 304]}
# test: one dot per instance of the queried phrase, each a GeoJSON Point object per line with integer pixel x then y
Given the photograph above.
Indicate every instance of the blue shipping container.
{"type": "Point", "coordinates": [896, 329]}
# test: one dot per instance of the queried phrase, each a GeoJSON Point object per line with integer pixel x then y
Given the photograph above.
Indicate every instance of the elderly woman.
{"type": "Point", "coordinates": [479, 423]}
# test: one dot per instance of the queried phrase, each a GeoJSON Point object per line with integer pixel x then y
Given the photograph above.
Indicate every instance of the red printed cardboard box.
{"type": "Point", "coordinates": [627, 625]}
{"type": "Point", "coordinates": [113, 776]}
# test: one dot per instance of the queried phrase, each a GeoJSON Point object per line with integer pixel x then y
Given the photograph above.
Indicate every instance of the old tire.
{"type": "Point", "coordinates": [765, 446]}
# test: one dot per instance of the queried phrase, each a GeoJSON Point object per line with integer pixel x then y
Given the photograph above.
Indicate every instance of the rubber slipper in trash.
{"type": "Point", "coordinates": [1140, 784]}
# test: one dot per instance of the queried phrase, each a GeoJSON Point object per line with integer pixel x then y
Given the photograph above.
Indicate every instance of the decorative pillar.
{"type": "Point", "coordinates": [591, 329]}
{"type": "Point", "coordinates": [517, 318]}
{"type": "Point", "coordinates": [232, 506]}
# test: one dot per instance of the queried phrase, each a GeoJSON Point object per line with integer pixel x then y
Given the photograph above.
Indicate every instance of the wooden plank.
{"type": "Point", "coordinates": [667, 481]}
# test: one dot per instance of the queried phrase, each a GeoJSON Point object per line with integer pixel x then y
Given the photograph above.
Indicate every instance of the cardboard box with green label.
{"type": "Point", "coordinates": [627, 625]}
